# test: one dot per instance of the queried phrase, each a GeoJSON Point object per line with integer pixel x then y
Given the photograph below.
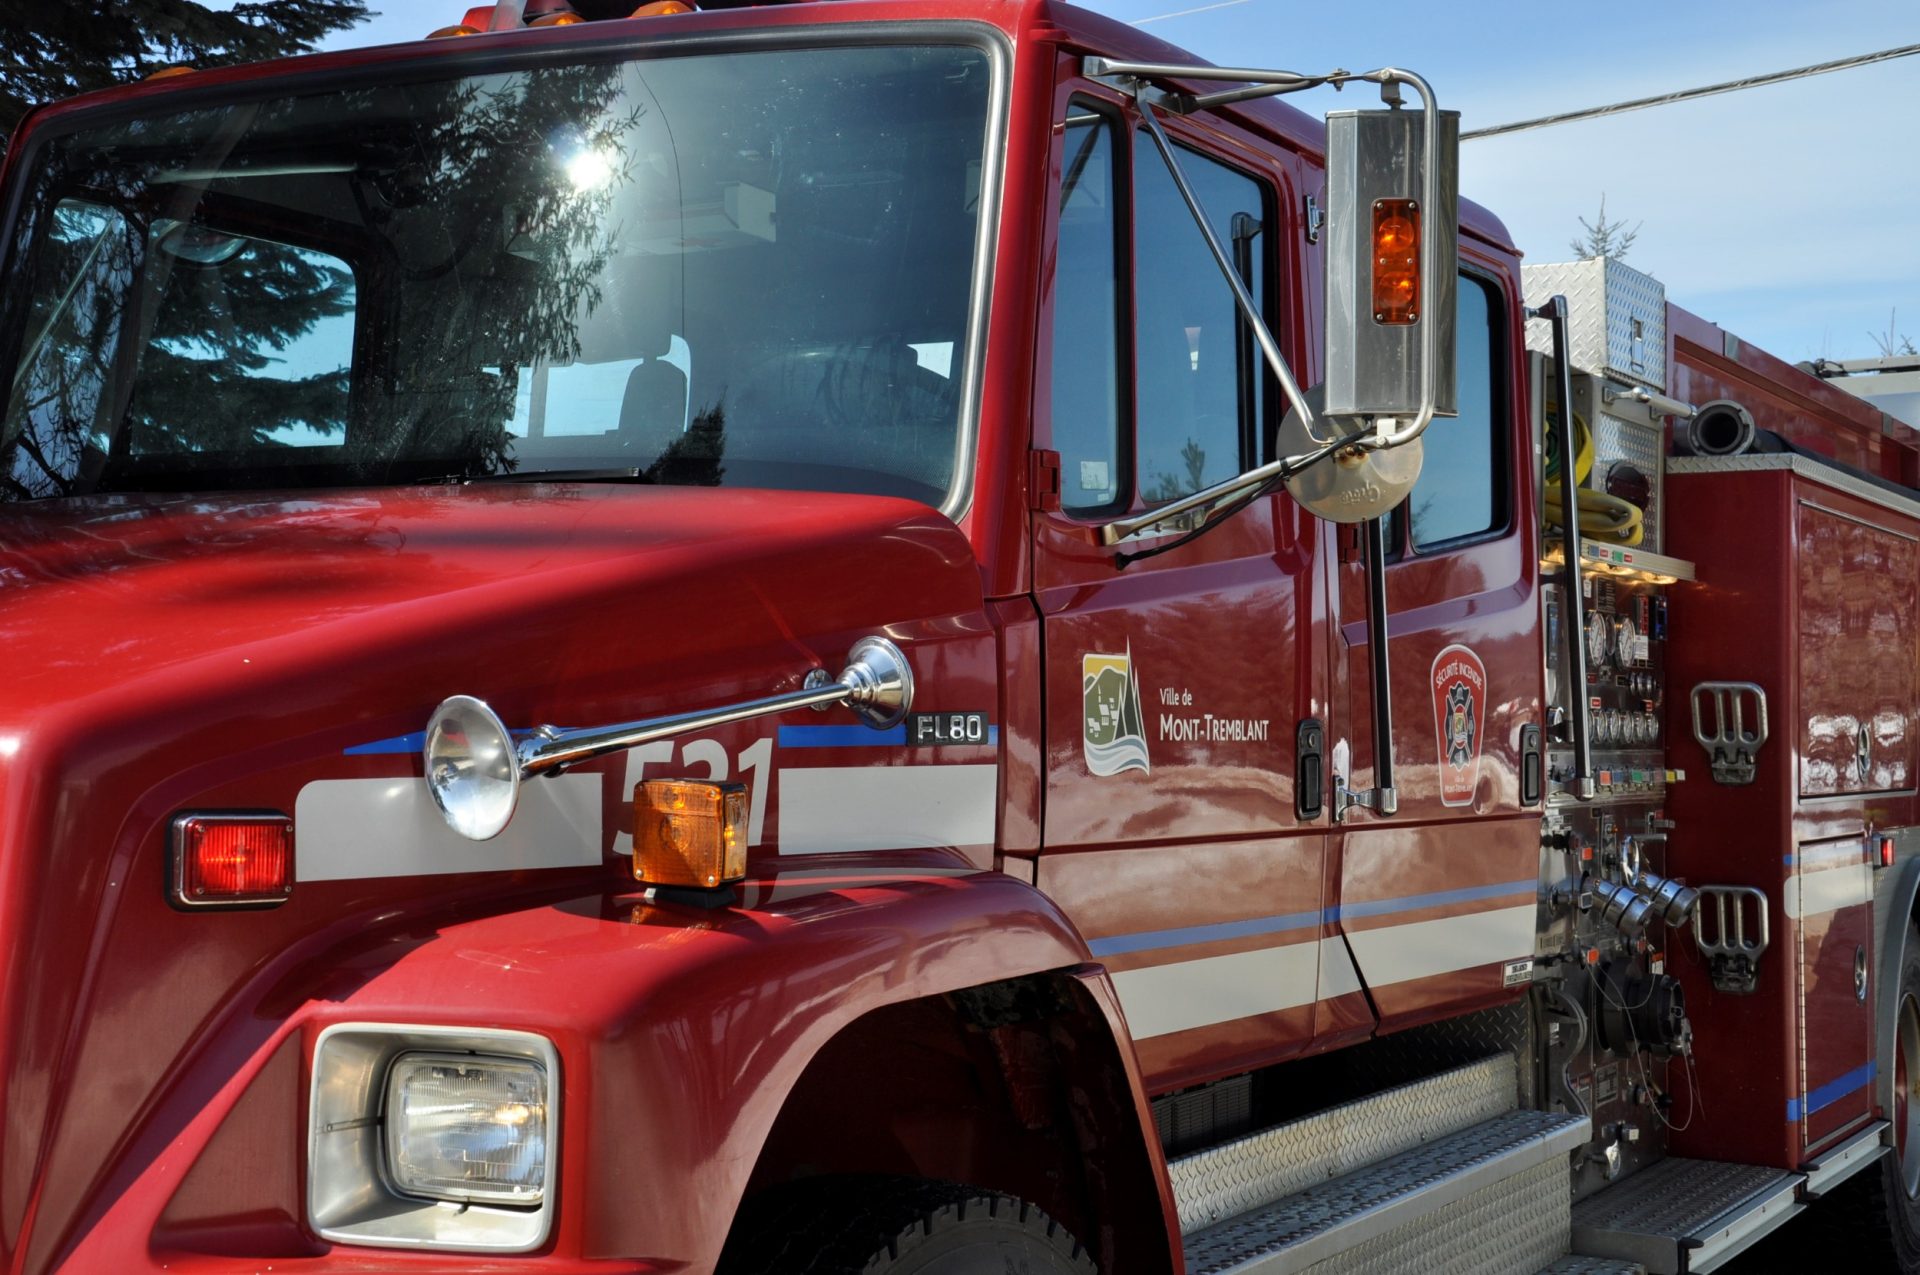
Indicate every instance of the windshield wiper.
{"type": "Point", "coordinates": [619, 474]}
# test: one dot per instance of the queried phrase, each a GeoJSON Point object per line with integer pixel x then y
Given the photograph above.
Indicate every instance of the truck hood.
{"type": "Point", "coordinates": [170, 653]}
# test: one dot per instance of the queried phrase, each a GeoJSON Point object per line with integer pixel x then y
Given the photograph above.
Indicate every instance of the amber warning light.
{"type": "Point", "coordinates": [689, 834]}
{"type": "Point", "coordinates": [232, 860]}
{"type": "Point", "coordinates": [1396, 261]}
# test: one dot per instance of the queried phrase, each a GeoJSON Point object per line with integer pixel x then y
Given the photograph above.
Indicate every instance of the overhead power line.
{"type": "Point", "coordinates": [1205, 8]}
{"type": "Point", "coordinates": [1729, 86]}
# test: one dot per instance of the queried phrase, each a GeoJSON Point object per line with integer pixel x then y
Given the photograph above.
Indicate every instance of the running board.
{"type": "Point", "coordinates": [1490, 1197]}
{"type": "Point", "coordinates": [1592, 1266]}
{"type": "Point", "coordinates": [1837, 1165]}
{"type": "Point", "coordinates": [1686, 1215]}
{"type": "Point", "coordinates": [1225, 1181]}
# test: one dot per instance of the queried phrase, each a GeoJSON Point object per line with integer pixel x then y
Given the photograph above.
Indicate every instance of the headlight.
{"type": "Point", "coordinates": [433, 1137]}
{"type": "Point", "coordinates": [462, 1128]}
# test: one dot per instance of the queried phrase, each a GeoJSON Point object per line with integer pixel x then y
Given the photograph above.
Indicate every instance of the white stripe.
{"type": "Point", "coordinates": [1337, 976]}
{"type": "Point", "coordinates": [1217, 989]}
{"type": "Point", "coordinates": [1399, 953]}
{"type": "Point", "coordinates": [1816, 858]}
{"type": "Point", "coordinates": [1808, 894]}
{"type": "Point", "coordinates": [835, 808]}
{"type": "Point", "coordinates": [347, 829]}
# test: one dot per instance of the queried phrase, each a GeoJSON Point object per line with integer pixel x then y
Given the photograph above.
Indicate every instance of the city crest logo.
{"type": "Point", "coordinates": [1114, 736]}
{"type": "Point", "coordinates": [1459, 685]}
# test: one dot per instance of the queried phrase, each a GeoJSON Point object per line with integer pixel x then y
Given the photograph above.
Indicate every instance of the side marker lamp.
{"type": "Point", "coordinates": [232, 860]}
{"type": "Point", "coordinates": [662, 8]}
{"type": "Point", "coordinates": [1396, 261]}
{"type": "Point", "coordinates": [690, 834]}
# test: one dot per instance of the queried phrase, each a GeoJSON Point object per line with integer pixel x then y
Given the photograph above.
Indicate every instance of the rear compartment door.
{"type": "Point", "coordinates": [1857, 661]}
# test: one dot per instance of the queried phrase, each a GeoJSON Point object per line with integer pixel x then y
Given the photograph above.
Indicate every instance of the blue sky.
{"type": "Point", "coordinates": [1788, 214]}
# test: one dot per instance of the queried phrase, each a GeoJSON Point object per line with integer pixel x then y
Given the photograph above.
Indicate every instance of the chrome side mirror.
{"type": "Point", "coordinates": [1393, 262]}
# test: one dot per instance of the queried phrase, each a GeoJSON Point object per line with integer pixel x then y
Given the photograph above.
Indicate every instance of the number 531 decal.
{"type": "Point", "coordinates": [710, 753]}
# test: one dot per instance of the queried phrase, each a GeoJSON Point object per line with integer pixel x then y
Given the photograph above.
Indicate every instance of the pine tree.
{"type": "Point", "coordinates": [51, 51]}
{"type": "Point", "coordinates": [1603, 238]}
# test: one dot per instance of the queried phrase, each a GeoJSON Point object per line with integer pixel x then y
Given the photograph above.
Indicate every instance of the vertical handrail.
{"type": "Point", "coordinates": [1574, 603]}
{"type": "Point", "coordinates": [1386, 798]}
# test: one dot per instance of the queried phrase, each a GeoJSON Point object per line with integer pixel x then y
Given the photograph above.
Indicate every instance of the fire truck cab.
{"type": "Point", "coordinates": [881, 636]}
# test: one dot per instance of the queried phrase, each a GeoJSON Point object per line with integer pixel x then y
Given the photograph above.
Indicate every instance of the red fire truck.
{"type": "Point", "coordinates": [925, 637]}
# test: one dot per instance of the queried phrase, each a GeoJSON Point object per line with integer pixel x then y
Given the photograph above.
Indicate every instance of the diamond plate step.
{"type": "Point", "coordinates": [1578, 1265]}
{"type": "Point", "coordinates": [1235, 1177]}
{"type": "Point", "coordinates": [1686, 1215]}
{"type": "Point", "coordinates": [1383, 1200]}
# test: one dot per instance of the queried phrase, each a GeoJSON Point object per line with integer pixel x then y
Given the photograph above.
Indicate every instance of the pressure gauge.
{"type": "Point", "coordinates": [1652, 725]}
{"type": "Point", "coordinates": [1631, 723]}
{"type": "Point", "coordinates": [1607, 725]}
{"type": "Point", "coordinates": [1625, 641]}
{"type": "Point", "coordinates": [1598, 640]}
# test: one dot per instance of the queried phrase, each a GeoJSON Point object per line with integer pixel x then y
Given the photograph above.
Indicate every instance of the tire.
{"type": "Point", "coordinates": [1873, 1217]}
{"type": "Point", "coordinates": [899, 1226]}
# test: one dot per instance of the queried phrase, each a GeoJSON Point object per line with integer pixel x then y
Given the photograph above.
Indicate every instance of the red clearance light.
{"type": "Point", "coordinates": [232, 860]}
{"type": "Point", "coordinates": [1396, 261]}
{"type": "Point", "coordinates": [1886, 852]}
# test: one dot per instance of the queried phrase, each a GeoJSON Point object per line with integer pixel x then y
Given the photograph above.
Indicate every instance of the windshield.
{"type": "Point", "coordinates": [743, 268]}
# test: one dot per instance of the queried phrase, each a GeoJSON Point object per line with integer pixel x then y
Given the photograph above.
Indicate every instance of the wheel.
{"type": "Point", "coordinates": [899, 1226]}
{"type": "Point", "coordinates": [1874, 1217]}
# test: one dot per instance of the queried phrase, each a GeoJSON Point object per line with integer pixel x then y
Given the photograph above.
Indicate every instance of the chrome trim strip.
{"type": "Point", "coordinates": [1833, 1167]}
{"type": "Point", "coordinates": [1804, 467]}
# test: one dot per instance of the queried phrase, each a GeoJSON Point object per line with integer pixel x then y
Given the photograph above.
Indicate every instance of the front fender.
{"type": "Point", "coordinates": [680, 1033]}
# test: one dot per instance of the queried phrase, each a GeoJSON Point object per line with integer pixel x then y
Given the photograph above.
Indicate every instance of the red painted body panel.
{"type": "Point", "coordinates": [170, 653]}
{"type": "Point", "coordinates": [671, 1077]}
{"type": "Point", "coordinates": [1819, 587]}
{"type": "Point", "coordinates": [1483, 596]}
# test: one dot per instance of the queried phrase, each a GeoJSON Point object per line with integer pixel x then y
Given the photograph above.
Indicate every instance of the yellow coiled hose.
{"type": "Point", "coordinates": [1602, 517]}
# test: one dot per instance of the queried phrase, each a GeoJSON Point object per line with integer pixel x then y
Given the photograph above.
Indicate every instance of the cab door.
{"type": "Point", "coordinates": [1437, 901]}
{"type": "Point", "coordinates": [1177, 675]}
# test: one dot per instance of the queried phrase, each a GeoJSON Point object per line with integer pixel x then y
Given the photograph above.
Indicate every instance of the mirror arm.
{"type": "Point", "coordinates": [1119, 529]}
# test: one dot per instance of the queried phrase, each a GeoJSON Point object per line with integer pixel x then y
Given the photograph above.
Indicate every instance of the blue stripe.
{"type": "Point", "coordinates": [1149, 940]}
{"type": "Point", "coordinates": [413, 743]}
{"type": "Point", "coordinates": [1831, 1092]}
{"type": "Point", "coordinates": [862, 737]}
{"type": "Point", "coordinates": [1152, 940]}
{"type": "Point", "coordinates": [398, 744]}
{"type": "Point", "coordinates": [1413, 902]}
{"type": "Point", "coordinates": [840, 736]}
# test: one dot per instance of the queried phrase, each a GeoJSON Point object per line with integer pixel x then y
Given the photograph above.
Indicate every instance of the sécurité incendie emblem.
{"type": "Point", "coordinates": [1459, 703]}
{"type": "Point", "coordinates": [1114, 736]}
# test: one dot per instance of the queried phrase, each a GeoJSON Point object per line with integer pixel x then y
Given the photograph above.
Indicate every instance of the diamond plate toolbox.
{"type": "Point", "coordinates": [1617, 319]}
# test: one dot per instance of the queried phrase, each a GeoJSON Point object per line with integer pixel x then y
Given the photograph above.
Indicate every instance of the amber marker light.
{"type": "Point", "coordinates": [661, 8]}
{"type": "Point", "coordinates": [690, 834]}
{"type": "Point", "coordinates": [232, 860]}
{"type": "Point", "coordinates": [1396, 261]}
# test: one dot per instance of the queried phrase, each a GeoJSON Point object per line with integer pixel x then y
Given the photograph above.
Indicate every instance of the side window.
{"type": "Point", "coordinates": [1086, 322]}
{"type": "Point", "coordinates": [1462, 493]}
{"type": "Point", "coordinates": [1198, 385]}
